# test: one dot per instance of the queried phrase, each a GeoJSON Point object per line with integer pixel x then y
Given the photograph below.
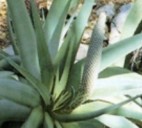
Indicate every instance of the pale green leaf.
{"type": "Point", "coordinates": [116, 121]}
{"type": "Point", "coordinates": [117, 85]}
{"type": "Point", "coordinates": [25, 35]}
{"type": "Point", "coordinates": [83, 113]}
{"type": "Point", "coordinates": [19, 92]}
{"type": "Point", "coordinates": [71, 44]}
{"type": "Point", "coordinates": [71, 125]}
{"type": "Point", "coordinates": [6, 74]}
{"type": "Point", "coordinates": [129, 113]}
{"type": "Point", "coordinates": [9, 108]}
{"type": "Point", "coordinates": [35, 83]}
{"type": "Point", "coordinates": [4, 64]}
{"type": "Point", "coordinates": [35, 118]}
{"type": "Point", "coordinates": [75, 32]}
{"type": "Point", "coordinates": [118, 50]}
{"type": "Point", "coordinates": [133, 19]}
{"type": "Point", "coordinates": [46, 66]}
{"type": "Point", "coordinates": [54, 24]}
{"type": "Point", "coordinates": [111, 71]}
{"type": "Point", "coordinates": [63, 80]}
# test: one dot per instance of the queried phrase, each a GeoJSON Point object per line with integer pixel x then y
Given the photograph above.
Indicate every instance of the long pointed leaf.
{"type": "Point", "coordinates": [5, 65]}
{"type": "Point", "coordinates": [75, 32]}
{"type": "Point", "coordinates": [64, 77]}
{"type": "Point", "coordinates": [80, 113]}
{"type": "Point", "coordinates": [35, 118]}
{"type": "Point", "coordinates": [112, 71]}
{"type": "Point", "coordinates": [25, 35]}
{"type": "Point", "coordinates": [35, 83]}
{"type": "Point", "coordinates": [121, 49]}
{"type": "Point", "coordinates": [133, 19]}
{"type": "Point", "coordinates": [128, 113]}
{"type": "Point", "coordinates": [118, 85]}
{"type": "Point", "coordinates": [45, 61]}
{"type": "Point", "coordinates": [116, 121]}
{"type": "Point", "coordinates": [54, 24]}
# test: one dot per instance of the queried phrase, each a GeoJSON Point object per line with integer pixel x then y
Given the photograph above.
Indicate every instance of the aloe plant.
{"type": "Point", "coordinates": [42, 86]}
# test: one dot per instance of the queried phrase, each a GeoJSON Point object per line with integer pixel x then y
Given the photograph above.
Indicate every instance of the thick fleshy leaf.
{"type": "Point", "coordinates": [71, 125]}
{"type": "Point", "coordinates": [63, 80]}
{"type": "Point", "coordinates": [35, 83]}
{"type": "Point", "coordinates": [19, 92]}
{"type": "Point", "coordinates": [130, 83]}
{"type": "Point", "coordinates": [48, 121]}
{"type": "Point", "coordinates": [6, 74]}
{"type": "Point", "coordinates": [25, 35]}
{"type": "Point", "coordinates": [111, 71]}
{"type": "Point", "coordinates": [54, 24]}
{"type": "Point", "coordinates": [116, 121]}
{"type": "Point", "coordinates": [73, 6]}
{"type": "Point", "coordinates": [95, 109]}
{"type": "Point", "coordinates": [76, 31]}
{"type": "Point", "coordinates": [4, 64]}
{"type": "Point", "coordinates": [91, 124]}
{"type": "Point", "coordinates": [75, 76]}
{"type": "Point", "coordinates": [46, 66]}
{"type": "Point", "coordinates": [12, 111]}
{"type": "Point", "coordinates": [67, 27]}
{"type": "Point", "coordinates": [121, 49]}
{"type": "Point", "coordinates": [133, 19]}
{"type": "Point", "coordinates": [129, 113]}
{"type": "Point", "coordinates": [131, 25]}
{"type": "Point", "coordinates": [58, 124]}
{"type": "Point", "coordinates": [71, 44]}
{"type": "Point", "coordinates": [35, 118]}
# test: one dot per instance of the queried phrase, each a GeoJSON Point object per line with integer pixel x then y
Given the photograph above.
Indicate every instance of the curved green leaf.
{"type": "Point", "coordinates": [54, 24]}
{"type": "Point", "coordinates": [11, 111]}
{"type": "Point", "coordinates": [130, 83]}
{"type": "Point", "coordinates": [129, 113]}
{"type": "Point", "coordinates": [91, 124]}
{"type": "Point", "coordinates": [45, 62]}
{"type": "Point", "coordinates": [71, 43]}
{"type": "Point", "coordinates": [4, 64]}
{"type": "Point", "coordinates": [35, 118]}
{"type": "Point", "coordinates": [48, 121]}
{"type": "Point", "coordinates": [6, 74]}
{"type": "Point", "coordinates": [121, 49]}
{"type": "Point", "coordinates": [83, 113]}
{"type": "Point", "coordinates": [133, 19]}
{"type": "Point", "coordinates": [116, 121]}
{"type": "Point", "coordinates": [35, 83]}
{"type": "Point", "coordinates": [75, 32]}
{"type": "Point", "coordinates": [111, 71]}
{"type": "Point", "coordinates": [19, 92]}
{"type": "Point", "coordinates": [25, 35]}
{"type": "Point", "coordinates": [71, 125]}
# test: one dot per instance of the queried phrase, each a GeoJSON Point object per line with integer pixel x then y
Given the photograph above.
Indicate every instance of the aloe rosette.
{"type": "Point", "coordinates": [44, 85]}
